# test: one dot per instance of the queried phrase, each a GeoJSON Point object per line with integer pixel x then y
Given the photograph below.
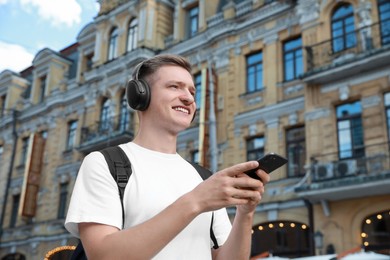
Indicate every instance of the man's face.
{"type": "Point", "coordinates": [172, 98]}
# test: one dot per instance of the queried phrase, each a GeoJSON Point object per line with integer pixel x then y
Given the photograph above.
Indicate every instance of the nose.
{"type": "Point", "coordinates": [187, 98]}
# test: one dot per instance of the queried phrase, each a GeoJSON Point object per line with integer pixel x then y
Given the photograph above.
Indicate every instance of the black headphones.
{"type": "Point", "coordinates": [138, 92]}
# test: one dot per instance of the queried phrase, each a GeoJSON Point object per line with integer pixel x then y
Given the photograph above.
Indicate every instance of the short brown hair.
{"type": "Point", "coordinates": [151, 65]}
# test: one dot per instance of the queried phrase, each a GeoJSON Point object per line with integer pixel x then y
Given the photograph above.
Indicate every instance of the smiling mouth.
{"type": "Point", "coordinates": [182, 109]}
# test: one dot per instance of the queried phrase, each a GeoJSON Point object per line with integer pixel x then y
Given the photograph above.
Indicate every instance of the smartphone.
{"type": "Point", "coordinates": [268, 163]}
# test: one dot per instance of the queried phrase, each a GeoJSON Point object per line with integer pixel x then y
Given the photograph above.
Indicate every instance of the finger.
{"type": "Point", "coordinates": [264, 177]}
{"type": "Point", "coordinates": [249, 194]}
{"type": "Point", "coordinates": [240, 168]}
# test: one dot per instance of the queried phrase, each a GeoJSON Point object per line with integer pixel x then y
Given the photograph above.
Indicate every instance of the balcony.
{"type": "Point", "coordinates": [110, 132]}
{"type": "Point", "coordinates": [333, 179]}
{"type": "Point", "coordinates": [365, 49]}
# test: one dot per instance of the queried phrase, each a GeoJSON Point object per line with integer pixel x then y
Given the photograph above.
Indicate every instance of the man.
{"type": "Point", "coordinates": [167, 205]}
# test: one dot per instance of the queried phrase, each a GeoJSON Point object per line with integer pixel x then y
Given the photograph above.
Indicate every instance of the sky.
{"type": "Point", "coordinates": [28, 26]}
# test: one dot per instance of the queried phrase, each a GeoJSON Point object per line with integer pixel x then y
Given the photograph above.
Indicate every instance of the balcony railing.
{"type": "Point", "coordinates": [351, 46]}
{"type": "Point", "coordinates": [109, 132]}
{"type": "Point", "coordinates": [330, 177]}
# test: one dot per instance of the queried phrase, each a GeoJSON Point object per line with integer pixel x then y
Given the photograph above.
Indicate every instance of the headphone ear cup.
{"type": "Point", "coordinates": [138, 94]}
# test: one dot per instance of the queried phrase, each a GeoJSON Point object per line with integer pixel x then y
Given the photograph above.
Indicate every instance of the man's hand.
{"type": "Point", "coordinates": [231, 187]}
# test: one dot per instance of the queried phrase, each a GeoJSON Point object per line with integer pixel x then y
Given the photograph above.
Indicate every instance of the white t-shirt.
{"type": "Point", "coordinates": [158, 179]}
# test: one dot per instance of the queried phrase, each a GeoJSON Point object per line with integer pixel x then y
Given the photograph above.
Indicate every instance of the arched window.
{"type": "Point", "coordinates": [376, 232]}
{"type": "Point", "coordinates": [113, 44]}
{"type": "Point", "coordinates": [282, 238]}
{"type": "Point", "coordinates": [132, 35]}
{"type": "Point", "coordinates": [105, 115]}
{"type": "Point", "coordinates": [124, 114]}
{"type": "Point", "coordinates": [343, 28]}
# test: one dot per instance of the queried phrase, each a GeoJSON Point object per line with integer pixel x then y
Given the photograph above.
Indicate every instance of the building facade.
{"type": "Point", "coordinates": [308, 79]}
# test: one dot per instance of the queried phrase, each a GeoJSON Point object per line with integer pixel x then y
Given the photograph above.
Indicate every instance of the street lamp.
{"type": "Point", "coordinates": [319, 241]}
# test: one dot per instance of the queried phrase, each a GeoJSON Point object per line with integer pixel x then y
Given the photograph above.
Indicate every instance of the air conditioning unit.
{"type": "Point", "coordinates": [323, 171]}
{"type": "Point", "coordinates": [347, 168]}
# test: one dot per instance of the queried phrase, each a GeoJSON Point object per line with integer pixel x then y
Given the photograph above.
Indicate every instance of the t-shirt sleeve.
{"type": "Point", "coordinates": [95, 196]}
{"type": "Point", "coordinates": [221, 226]}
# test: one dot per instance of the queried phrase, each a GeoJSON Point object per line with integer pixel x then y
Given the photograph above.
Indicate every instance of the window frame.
{"type": "Point", "coordinates": [113, 44]}
{"type": "Point", "coordinates": [42, 88]}
{"type": "Point", "coordinates": [254, 152]}
{"type": "Point", "coordinates": [105, 115]}
{"type": "Point", "coordinates": [63, 200]}
{"type": "Point", "coordinates": [257, 66]}
{"type": "Point", "coordinates": [384, 21]}
{"type": "Point", "coordinates": [292, 157]}
{"type": "Point", "coordinates": [132, 35]}
{"type": "Point", "coordinates": [71, 136]}
{"type": "Point", "coordinates": [351, 128]}
{"type": "Point", "coordinates": [296, 58]}
{"type": "Point", "coordinates": [192, 21]}
{"type": "Point", "coordinates": [347, 35]}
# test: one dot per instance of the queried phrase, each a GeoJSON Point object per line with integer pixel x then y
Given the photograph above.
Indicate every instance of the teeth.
{"type": "Point", "coordinates": [182, 110]}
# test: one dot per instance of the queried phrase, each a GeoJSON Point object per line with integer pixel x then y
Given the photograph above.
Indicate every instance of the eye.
{"type": "Point", "coordinates": [174, 86]}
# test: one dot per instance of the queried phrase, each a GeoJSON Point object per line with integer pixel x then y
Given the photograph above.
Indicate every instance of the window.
{"type": "Point", "coordinates": [283, 238]}
{"type": "Point", "coordinates": [105, 116]}
{"type": "Point", "coordinates": [23, 158]}
{"type": "Point", "coordinates": [293, 62]}
{"type": "Point", "coordinates": [254, 71]}
{"type": "Point", "coordinates": [42, 88]}
{"type": "Point", "coordinates": [112, 46]}
{"type": "Point", "coordinates": [132, 35]}
{"type": "Point", "coordinates": [89, 62]}
{"type": "Point", "coordinates": [384, 16]}
{"type": "Point", "coordinates": [198, 87]}
{"type": "Point", "coordinates": [63, 200]}
{"type": "Point", "coordinates": [296, 151]}
{"type": "Point", "coordinates": [2, 105]}
{"type": "Point", "coordinates": [387, 107]}
{"type": "Point", "coordinates": [350, 130]}
{"type": "Point", "coordinates": [124, 114]}
{"type": "Point", "coordinates": [343, 28]}
{"type": "Point", "coordinates": [376, 232]}
{"type": "Point", "coordinates": [72, 128]}
{"type": "Point", "coordinates": [14, 210]}
{"type": "Point", "coordinates": [254, 148]}
{"type": "Point", "coordinates": [193, 21]}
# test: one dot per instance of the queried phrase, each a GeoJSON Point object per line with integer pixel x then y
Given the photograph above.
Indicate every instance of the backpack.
{"type": "Point", "coordinates": [120, 169]}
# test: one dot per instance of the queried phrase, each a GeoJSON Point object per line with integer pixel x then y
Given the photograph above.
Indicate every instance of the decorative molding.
{"type": "Point", "coordinates": [371, 101]}
{"type": "Point", "coordinates": [317, 114]}
{"type": "Point", "coordinates": [269, 112]}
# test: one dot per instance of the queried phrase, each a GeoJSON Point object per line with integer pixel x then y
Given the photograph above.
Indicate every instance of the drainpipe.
{"type": "Point", "coordinates": [309, 207]}
{"type": "Point", "coordinates": [11, 166]}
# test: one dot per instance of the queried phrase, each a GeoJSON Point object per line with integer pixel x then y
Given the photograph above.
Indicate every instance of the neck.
{"type": "Point", "coordinates": [156, 140]}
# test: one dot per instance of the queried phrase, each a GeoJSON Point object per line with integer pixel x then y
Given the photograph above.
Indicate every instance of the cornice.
{"type": "Point", "coordinates": [267, 114]}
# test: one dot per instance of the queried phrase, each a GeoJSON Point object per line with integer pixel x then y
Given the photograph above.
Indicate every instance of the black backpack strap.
{"type": "Point", "coordinates": [205, 173]}
{"type": "Point", "coordinates": [79, 253]}
{"type": "Point", "coordinates": [120, 169]}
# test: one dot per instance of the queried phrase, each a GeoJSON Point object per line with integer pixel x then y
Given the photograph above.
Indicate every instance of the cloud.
{"type": "Point", "coordinates": [14, 57]}
{"type": "Point", "coordinates": [58, 12]}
